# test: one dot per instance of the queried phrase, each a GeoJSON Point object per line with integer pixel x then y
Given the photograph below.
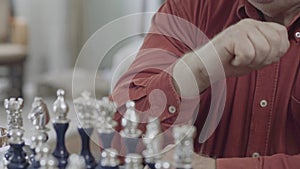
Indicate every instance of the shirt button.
{"type": "Point", "coordinates": [255, 155]}
{"type": "Point", "coordinates": [263, 103]}
{"type": "Point", "coordinates": [172, 109]}
{"type": "Point", "coordinates": [297, 34]}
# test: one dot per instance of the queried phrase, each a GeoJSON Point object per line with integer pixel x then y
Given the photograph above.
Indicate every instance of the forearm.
{"type": "Point", "coordinates": [192, 72]}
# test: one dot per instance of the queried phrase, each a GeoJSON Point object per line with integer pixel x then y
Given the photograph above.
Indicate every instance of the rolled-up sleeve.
{"type": "Point", "coordinates": [149, 80]}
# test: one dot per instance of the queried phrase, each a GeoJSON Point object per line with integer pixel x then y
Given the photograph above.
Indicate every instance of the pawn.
{"type": "Point", "coordinates": [184, 140]}
{"type": "Point", "coordinates": [76, 162]}
{"type": "Point", "coordinates": [47, 160]}
{"type": "Point", "coordinates": [109, 159]}
{"type": "Point", "coordinates": [130, 132]}
{"type": "Point", "coordinates": [133, 161]}
{"type": "Point", "coordinates": [162, 165]}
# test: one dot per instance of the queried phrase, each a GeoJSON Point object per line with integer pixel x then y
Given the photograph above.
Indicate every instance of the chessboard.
{"type": "Point", "coordinates": [95, 116]}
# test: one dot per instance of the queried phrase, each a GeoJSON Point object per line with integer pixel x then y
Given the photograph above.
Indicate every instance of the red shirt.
{"type": "Point", "coordinates": [262, 109]}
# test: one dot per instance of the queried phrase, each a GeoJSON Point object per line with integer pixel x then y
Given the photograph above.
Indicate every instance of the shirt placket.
{"type": "Point", "coordinates": [263, 103]}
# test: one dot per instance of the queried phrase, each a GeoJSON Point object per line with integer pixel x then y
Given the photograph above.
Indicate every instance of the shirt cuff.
{"type": "Point", "coordinates": [178, 110]}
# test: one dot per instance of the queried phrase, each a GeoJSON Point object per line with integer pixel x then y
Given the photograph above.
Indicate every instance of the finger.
{"type": "Point", "coordinates": [261, 45]}
{"type": "Point", "coordinates": [244, 52]}
{"type": "Point", "coordinates": [278, 37]}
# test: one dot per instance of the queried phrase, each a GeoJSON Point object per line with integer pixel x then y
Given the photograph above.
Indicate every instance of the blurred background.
{"type": "Point", "coordinates": [40, 41]}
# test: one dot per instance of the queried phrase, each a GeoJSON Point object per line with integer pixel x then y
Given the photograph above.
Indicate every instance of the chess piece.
{"type": "Point", "coordinates": [47, 160]}
{"type": "Point", "coordinates": [76, 162]}
{"type": "Point", "coordinates": [153, 142]}
{"type": "Point", "coordinates": [105, 123]}
{"type": "Point", "coordinates": [61, 124]}
{"type": "Point", "coordinates": [85, 107]}
{"type": "Point", "coordinates": [109, 159]}
{"type": "Point", "coordinates": [15, 156]}
{"type": "Point", "coordinates": [39, 116]}
{"type": "Point", "coordinates": [133, 161]}
{"type": "Point", "coordinates": [17, 159]}
{"type": "Point", "coordinates": [184, 140]}
{"type": "Point", "coordinates": [162, 165]}
{"type": "Point", "coordinates": [105, 128]}
{"type": "Point", "coordinates": [13, 108]}
{"type": "Point", "coordinates": [130, 132]}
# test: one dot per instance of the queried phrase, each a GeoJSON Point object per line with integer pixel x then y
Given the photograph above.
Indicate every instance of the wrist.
{"type": "Point", "coordinates": [189, 76]}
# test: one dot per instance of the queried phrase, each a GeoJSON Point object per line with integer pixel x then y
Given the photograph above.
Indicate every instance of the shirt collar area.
{"type": "Point", "coordinates": [247, 10]}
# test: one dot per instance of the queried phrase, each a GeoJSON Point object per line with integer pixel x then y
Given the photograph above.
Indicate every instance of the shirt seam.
{"type": "Point", "coordinates": [271, 107]}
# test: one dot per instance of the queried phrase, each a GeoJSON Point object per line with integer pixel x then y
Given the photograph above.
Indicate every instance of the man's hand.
{"type": "Point", "coordinates": [242, 48]}
{"type": "Point", "coordinates": [250, 45]}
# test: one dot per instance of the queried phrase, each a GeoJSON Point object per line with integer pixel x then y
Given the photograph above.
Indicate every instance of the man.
{"type": "Point", "coordinates": [257, 42]}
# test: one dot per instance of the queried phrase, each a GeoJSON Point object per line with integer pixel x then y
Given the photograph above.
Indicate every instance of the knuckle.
{"type": "Point", "coordinates": [264, 50]}
{"type": "Point", "coordinates": [248, 58]}
{"type": "Point", "coordinates": [275, 38]}
{"type": "Point", "coordinates": [282, 29]}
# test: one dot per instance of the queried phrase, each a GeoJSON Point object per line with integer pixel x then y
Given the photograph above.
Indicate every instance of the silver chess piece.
{"type": "Point", "coordinates": [133, 161]}
{"type": "Point", "coordinates": [60, 108]}
{"type": "Point", "coordinates": [76, 162]}
{"type": "Point", "coordinates": [130, 122]}
{"type": "Point", "coordinates": [16, 136]}
{"type": "Point", "coordinates": [13, 109]}
{"type": "Point", "coordinates": [47, 160]}
{"type": "Point", "coordinates": [39, 117]}
{"type": "Point", "coordinates": [85, 107]}
{"type": "Point", "coordinates": [153, 141]}
{"type": "Point", "coordinates": [162, 165]}
{"type": "Point", "coordinates": [184, 140]}
{"type": "Point", "coordinates": [110, 158]}
{"type": "Point", "coordinates": [106, 111]}
{"type": "Point", "coordinates": [39, 114]}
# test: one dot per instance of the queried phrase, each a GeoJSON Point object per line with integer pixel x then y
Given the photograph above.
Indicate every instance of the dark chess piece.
{"type": "Point", "coordinates": [18, 156]}
{"type": "Point", "coordinates": [39, 116]}
{"type": "Point", "coordinates": [85, 107]}
{"type": "Point", "coordinates": [184, 141]}
{"type": "Point", "coordinates": [61, 125]}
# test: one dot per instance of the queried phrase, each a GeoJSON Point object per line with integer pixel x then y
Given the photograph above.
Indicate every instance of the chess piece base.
{"type": "Point", "coordinates": [106, 167]}
{"type": "Point", "coordinates": [60, 151]}
{"type": "Point", "coordinates": [17, 160]}
{"type": "Point", "coordinates": [151, 165]}
{"type": "Point", "coordinates": [85, 150]}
